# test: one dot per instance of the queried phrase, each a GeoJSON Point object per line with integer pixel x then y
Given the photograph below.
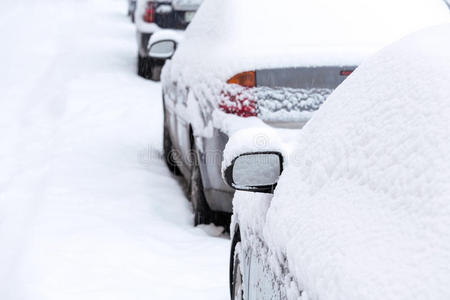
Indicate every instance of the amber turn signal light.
{"type": "Point", "coordinates": [245, 79]}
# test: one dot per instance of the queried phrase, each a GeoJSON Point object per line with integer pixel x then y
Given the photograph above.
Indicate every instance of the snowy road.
{"type": "Point", "coordinates": [88, 210]}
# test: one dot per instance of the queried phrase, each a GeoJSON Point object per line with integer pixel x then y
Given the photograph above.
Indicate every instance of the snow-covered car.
{"type": "Point", "coordinates": [265, 63]}
{"type": "Point", "coordinates": [131, 9]}
{"type": "Point", "coordinates": [362, 209]}
{"type": "Point", "coordinates": [151, 16]}
{"type": "Point", "coordinates": [162, 46]}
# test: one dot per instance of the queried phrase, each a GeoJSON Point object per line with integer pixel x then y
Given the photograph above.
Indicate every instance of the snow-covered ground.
{"type": "Point", "coordinates": [88, 209]}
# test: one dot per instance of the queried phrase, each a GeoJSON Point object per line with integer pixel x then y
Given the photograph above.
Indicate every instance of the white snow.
{"type": "Point", "coordinates": [88, 209]}
{"type": "Point", "coordinates": [236, 36]}
{"type": "Point", "coordinates": [164, 9]}
{"type": "Point", "coordinates": [252, 139]}
{"type": "Point", "coordinates": [186, 4]}
{"type": "Point", "coordinates": [362, 210]}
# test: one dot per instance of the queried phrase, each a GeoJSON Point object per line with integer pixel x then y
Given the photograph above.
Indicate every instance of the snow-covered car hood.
{"type": "Point", "coordinates": [362, 210]}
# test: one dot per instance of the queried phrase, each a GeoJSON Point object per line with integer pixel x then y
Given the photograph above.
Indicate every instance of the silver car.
{"type": "Point", "coordinates": [197, 104]}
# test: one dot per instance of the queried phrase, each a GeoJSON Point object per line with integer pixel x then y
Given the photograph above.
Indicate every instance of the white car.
{"type": "Point", "coordinates": [362, 208]}
{"type": "Point", "coordinates": [247, 63]}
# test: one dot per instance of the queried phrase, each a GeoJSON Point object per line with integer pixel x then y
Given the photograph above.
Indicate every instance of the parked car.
{"type": "Point", "coordinates": [131, 9]}
{"type": "Point", "coordinates": [151, 16]}
{"type": "Point", "coordinates": [162, 46]}
{"type": "Point", "coordinates": [235, 69]}
{"type": "Point", "coordinates": [362, 209]}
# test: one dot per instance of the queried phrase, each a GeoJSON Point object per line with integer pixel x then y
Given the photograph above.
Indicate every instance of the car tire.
{"type": "Point", "coordinates": [236, 277]}
{"type": "Point", "coordinates": [168, 152]}
{"type": "Point", "coordinates": [202, 212]}
{"type": "Point", "coordinates": [144, 67]}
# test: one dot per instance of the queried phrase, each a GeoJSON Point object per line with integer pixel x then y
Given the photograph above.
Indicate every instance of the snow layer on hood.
{"type": "Point", "coordinates": [236, 35]}
{"type": "Point", "coordinates": [363, 209]}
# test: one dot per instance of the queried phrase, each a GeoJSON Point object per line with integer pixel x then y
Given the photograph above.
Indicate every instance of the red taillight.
{"type": "Point", "coordinates": [238, 105]}
{"type": "Point", "coordinates": [239, 102]}
{"type": "Point", "coordinates": [149, 15]}
{"type": "Point", "coordinates": [346, 72]}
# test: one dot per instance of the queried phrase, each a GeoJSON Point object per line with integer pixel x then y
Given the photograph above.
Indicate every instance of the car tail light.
{"type": "Point", "coordinates": [238, 105]}
{"type": "Point", "coordinates": [149, 15]}
{"type": "Point", "coordinates": [240, 102]}
{"type": "Point", "coordinates": [346, 72]}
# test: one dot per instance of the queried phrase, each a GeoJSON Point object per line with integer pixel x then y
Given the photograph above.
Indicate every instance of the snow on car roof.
{"type": "Point", "coordinates": [235, 35]}
{"type": "Point", "coordinates": [363, 210]}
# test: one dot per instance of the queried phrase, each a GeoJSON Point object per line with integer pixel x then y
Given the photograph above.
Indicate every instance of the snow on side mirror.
{"type": "Point", "coordinates": [255, 172]}
{"type": "Point", "coordinates": [162, 49]}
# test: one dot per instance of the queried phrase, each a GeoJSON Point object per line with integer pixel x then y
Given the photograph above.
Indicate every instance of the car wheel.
{"type": "Point", "coordinates": [143, 66]}
{"type": "Point", "coordinates": [169, 152]}
{"type": "Point", "coordinates": [202, 212]}
{"type": "Point", "coordinates": [236, 277]}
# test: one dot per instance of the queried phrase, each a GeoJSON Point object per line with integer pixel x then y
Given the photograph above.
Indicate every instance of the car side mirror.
{"type": "Point", "coordinates": [162, 49]}
{"type": "Point", "coordinates": [255, 172]}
